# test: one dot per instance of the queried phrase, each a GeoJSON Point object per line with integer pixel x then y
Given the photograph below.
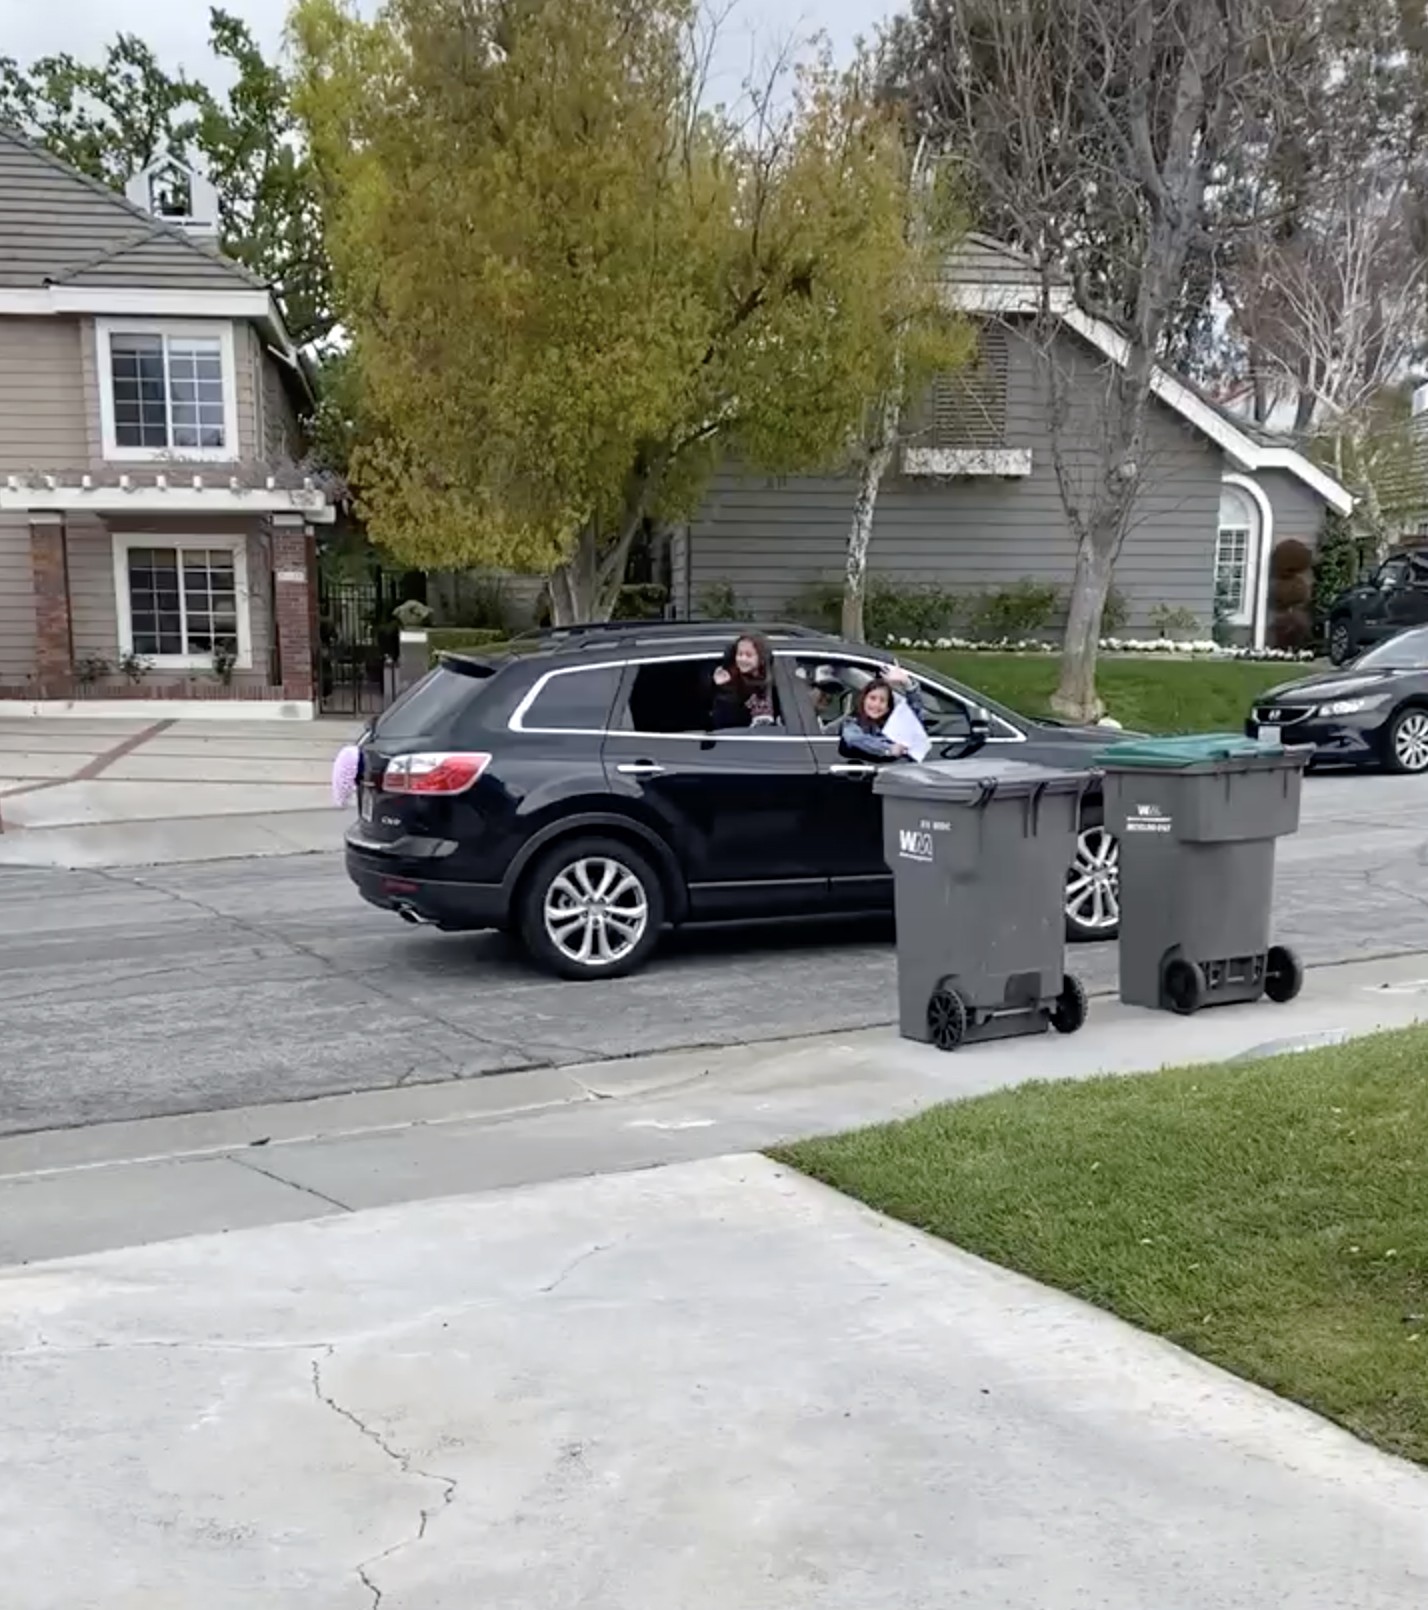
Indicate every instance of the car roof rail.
{"type": "Point", "coordinates": [604, 633]}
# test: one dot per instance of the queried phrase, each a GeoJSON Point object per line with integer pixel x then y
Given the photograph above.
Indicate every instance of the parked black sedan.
{"type": "Point", "coordinates": [1373, 711]}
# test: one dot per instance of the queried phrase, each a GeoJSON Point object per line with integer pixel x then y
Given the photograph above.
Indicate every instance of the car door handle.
{"type": "Point", "coordinates": [854, 769]}
{"type": "Point", "coordinates": [640, 768]}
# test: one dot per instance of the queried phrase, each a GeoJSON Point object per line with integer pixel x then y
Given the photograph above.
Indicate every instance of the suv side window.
{"type": "Point", "coordinates": [834, 686]}
{"type": "Point", "coordinates": [1392, 574]}
{"type": "Point", "coordinates": [574, 701]}
{"type": "Point", "coordinates": [671, 696]}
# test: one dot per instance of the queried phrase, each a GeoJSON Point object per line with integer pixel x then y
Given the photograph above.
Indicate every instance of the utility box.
{"type": "Point", "coordinates": [1197, 819]}
{"type": "Point", "coordinates": [979, 850]}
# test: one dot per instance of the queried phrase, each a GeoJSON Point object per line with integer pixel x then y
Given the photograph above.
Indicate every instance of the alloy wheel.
{"type": "Point", "coordinates": [1093, 885]}
{"type": "Point", "coordinates": [1338, 643]}
{"type": "Point", "coordinates": [1410, 741]}
{"type": "Point", "coordinates": [596, 912]}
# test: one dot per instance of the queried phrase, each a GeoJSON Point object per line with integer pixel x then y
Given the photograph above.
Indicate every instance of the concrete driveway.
{"type": "Point", "coordinates": [695, 1388]}
{"type": "Point", "coordinates": [126, 993]}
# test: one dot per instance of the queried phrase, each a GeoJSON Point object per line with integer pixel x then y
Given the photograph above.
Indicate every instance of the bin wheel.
{"type": "Point", "coordinates": [947, 1019]}
{"type": "Point", "coordinates": [1283, 974]}
{"type": "Point", "coordinates": [1069, 1013]}
{"type": "Point", "coordinates": [1184, 985]}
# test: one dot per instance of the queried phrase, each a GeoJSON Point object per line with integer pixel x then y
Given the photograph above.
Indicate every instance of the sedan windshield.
{"type": "Point", "coordinates": [1406, 652]}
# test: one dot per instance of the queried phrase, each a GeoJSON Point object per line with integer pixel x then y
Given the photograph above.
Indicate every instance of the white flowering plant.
{"type": "Point", "coordinates": [1203, 649]}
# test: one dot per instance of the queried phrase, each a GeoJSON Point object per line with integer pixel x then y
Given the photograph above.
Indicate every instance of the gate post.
{"type": "Point", "coordinates": [413, 658]}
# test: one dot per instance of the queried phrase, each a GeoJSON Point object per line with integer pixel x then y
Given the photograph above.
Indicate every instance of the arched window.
{"type": "Point", "coordinates": [1236, 557]}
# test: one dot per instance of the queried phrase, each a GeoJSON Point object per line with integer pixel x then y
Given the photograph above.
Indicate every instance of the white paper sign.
{"type": "Point", "coordinates": [903, 727]}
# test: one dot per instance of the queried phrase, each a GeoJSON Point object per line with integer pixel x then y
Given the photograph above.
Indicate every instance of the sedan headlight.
{"type": "Point", "coordinates": [1352, 707]}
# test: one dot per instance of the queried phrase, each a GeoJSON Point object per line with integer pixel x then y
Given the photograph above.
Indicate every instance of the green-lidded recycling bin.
{"type": "Point", "coordinates": [1196, 819]}
{"type": "Point", "coordinates": [979, 851]}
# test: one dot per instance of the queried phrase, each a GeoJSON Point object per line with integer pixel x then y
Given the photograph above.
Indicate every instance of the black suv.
{"type": "Point", "coordinates": [1394, 597]}
{"type": "Point", "coordinates": [575, 796]}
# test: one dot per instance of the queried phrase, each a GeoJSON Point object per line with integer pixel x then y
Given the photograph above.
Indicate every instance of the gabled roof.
{"type": "Point", "coordinates": [986, 276]}
{"type": "Point", "coordinates": [59, 227]}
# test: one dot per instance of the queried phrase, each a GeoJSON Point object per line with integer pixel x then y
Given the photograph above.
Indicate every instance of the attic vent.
{"type": "Point", "coordinates": [969, 407]}
{"type": "Point", "coordinates": [170, 192]}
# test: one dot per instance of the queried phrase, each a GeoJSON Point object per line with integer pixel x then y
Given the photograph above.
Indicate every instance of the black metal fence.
{"type": "Point", "coordinates": [357, 643]}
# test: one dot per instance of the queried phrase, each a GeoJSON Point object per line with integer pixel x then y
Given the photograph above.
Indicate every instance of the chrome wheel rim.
{"type": "Point", "coordinates": [1339, 642]}
{"type": "Point", "coordinates": [596, 911]}
{"type": "Point", "coordinates": [1093, 885]}
{"type": "Point", "coordinates": [1410, 742]}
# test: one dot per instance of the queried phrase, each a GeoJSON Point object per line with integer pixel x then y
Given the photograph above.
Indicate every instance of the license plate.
{"type": "Point", "coordinates": [364, 804]}
{"type": "Point", "coordinates": [1269, 735]}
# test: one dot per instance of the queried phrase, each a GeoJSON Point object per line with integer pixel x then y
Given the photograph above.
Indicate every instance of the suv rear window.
{"type": "Point", "coordinates": [575, 701]}
{"type": "Point", "coordinates": [430, 703]}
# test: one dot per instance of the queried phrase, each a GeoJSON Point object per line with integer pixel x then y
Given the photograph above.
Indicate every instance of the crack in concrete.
{"type": "Point", "coordinates": [403, 1461]}
{"type": "Point", "coordinates": [578, 1262]}
{"type": "Point", "coordinates": [279, 1179]}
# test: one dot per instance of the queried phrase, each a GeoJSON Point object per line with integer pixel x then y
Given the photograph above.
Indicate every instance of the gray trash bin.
{"type": "Point", "coordinates": [1196, 819]}
{"type": "Point", "coordinates": [979, 851]}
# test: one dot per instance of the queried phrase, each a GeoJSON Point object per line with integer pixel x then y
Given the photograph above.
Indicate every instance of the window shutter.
{"type": "Point", "coordinates": [969, 406]}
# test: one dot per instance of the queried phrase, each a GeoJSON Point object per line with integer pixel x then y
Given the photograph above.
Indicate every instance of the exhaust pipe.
{"type": "Point", "coordinates": [408, 914]}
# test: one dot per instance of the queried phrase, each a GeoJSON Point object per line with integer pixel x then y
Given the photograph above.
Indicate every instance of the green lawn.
{"type": "Point", "coordinates": [1270, 1216]}
{"type": "Point", "coordinates": [1144, 695]}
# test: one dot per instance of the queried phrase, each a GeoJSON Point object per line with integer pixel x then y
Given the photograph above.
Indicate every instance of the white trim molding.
{"type": "Point", "coordinates": [127, 302]}
{"type": "Point", "coordinates": [1265, 547]}
{"type": "Point", "coordinates": [183, 495]}
{"type": "Point", "coordinates": [997, 299]}
{"type": "Point", "coordinates": [126, 541]}
{"type": "Point", "coordinates": [1003, 463]}
{"type": "Point", "coordinates": [168, 330]}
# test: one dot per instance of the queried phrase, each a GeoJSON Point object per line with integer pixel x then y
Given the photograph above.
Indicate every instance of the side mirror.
{"type": "Point", "coordinates": [979, 725]}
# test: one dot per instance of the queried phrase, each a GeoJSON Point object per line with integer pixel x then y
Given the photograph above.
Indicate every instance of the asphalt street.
{"type": "Point", "coordinates": [133, 993]}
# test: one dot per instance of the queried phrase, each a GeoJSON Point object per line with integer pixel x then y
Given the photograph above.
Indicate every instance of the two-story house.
{"type": "Point", "coordinates": [156, 531]}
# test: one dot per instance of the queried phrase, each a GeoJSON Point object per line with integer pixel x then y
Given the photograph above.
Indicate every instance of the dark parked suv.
{"type": "Point", "coordinates": [1381, 606]}
{"type": "Point", "coordinates": [575, 795]}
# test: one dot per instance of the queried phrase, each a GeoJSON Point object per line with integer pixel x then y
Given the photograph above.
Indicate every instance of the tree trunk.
{"type": "Point", "coordinates": [1076, 698]}
{"type": "Point", "coordinates": [860, 531]}
{"type": "Point", "coordinates": [572, 585]}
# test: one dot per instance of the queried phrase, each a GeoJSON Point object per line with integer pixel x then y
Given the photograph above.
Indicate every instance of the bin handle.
{"type": "Point", "coordinates": [987, 786]}
{"type": "Point", "coordinates": [1033, 807]}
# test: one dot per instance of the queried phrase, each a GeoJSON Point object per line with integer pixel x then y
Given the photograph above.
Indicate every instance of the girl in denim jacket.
{"type": "Point", "coordinates": [862, 732]}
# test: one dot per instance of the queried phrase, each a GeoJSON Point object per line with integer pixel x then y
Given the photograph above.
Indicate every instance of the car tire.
{"type": "Point", "coordinates": [591, 908]}
{"type": "Point", "coordinates": [1093, 883]}
{"type": "Point", "coordinates": [1405, 743]}
{"type": "Point", "coordinates": [1341, 642]}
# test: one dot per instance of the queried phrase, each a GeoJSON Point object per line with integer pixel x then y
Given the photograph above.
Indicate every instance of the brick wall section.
{"type": "Point", "coordinates": [54, 631]}
{"type": "Point", "coordinates": [295, 578]}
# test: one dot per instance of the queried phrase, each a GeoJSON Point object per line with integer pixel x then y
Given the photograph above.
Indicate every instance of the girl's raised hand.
{"type": "Point", "coordinates": [897, 676]}
{"type": "Point", "coordinates": [721, 678]}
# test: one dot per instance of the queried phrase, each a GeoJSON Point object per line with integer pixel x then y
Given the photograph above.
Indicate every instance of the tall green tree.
{"type": "Point", "coordinates": [112, 117]}
{"type": "Point", "coordinates": [573, 289]}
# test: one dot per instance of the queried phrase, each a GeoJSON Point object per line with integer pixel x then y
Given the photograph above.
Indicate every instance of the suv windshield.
{"type": "Point", "coordinates": [1405, 652]}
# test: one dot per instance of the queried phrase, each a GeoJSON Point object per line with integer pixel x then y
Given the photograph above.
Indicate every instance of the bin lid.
{"type": "Point", "coordinates": [976, 780]}
{"type": "Point", "coordinates": [1190, 749]}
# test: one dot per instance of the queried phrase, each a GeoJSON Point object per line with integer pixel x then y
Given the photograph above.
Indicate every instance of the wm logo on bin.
{"type": "Point", "coordinates": [914, 845]}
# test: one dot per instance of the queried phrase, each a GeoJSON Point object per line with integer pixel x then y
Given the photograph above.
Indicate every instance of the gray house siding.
{"type": "Point", "coordinates": [1298, 512]}
{"type": "Point", "coordinates": [41, 419]}
{"type": "Point", "coordinates": [769, 540]}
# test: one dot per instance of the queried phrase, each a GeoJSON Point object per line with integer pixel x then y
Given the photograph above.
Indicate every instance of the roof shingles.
{"type": "Point", "coordinates": [56, 225]}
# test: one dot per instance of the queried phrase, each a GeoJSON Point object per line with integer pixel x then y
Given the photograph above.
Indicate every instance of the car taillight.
{"type": "Point", "coordinates": [440, 773]}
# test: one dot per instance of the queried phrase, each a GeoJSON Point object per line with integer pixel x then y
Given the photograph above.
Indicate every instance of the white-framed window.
{"type": "Point", "coordinates": [167, 391]}
{"type": "Point", "coordinates": [1236, 553]}
{"type": "Point", "coordinates": [183, 603]}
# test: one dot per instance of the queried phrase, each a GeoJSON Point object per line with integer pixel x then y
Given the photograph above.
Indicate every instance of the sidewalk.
{"type": "Point", "coordinates": [85, 1190]}
{"type": "Point", "coordinates": [692, 1388]}
{"type": "Point", "coordinates": [105, 792]}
